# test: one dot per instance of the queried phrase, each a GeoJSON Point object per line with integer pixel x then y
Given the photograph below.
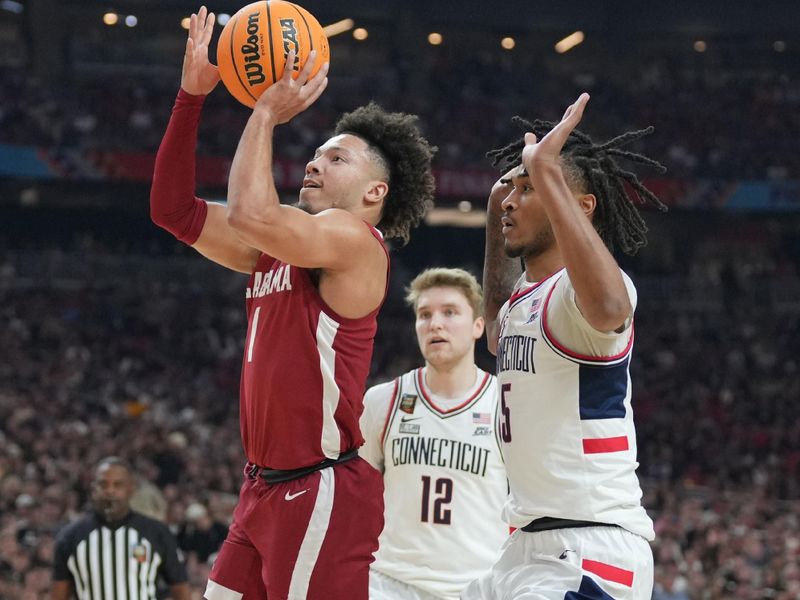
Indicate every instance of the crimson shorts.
{"type": "Point", "coordinates": [310, 538]}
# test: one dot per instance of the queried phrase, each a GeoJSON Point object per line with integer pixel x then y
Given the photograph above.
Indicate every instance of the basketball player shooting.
{"type": "Point", "coordinates": [309, 510]}
{"type": "Point", "coordinates": [563, 334]}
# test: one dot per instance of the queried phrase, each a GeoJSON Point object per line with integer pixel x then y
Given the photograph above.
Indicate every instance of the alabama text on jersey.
{"type": "Point", "coordinates": [304, 370]}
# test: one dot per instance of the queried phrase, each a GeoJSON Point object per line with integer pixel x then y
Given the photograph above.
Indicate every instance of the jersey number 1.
{"type": "Point", "coordinates": [444, 487]}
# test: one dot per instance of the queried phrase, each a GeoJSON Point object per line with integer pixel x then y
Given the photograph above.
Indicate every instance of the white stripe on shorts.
{"type": "Point", "coordinates": [315, 535]}
{"type": "Point", "coordinates": [216, 591]}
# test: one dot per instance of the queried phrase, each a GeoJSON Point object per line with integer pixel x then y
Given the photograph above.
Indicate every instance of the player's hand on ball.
{"type": "Point", "coordinates": [289, 97]}
{"type": "Point", "coordinates": [199, 76]}
{"type": "Point", "coordinates": [549, 147]}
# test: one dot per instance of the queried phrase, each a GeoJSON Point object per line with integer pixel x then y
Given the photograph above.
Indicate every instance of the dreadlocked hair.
{"type": "Point", "coordinates": [397, 141]}
{"type": "Point", "coordinates": [593, 167]}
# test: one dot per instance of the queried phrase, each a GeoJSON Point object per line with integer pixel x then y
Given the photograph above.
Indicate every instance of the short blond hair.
{"type": "Point", "coordinates": [460, 279]}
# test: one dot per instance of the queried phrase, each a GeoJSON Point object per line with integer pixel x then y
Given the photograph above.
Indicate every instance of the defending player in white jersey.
{"type": "Point", "coordinates": [563, 334]}
{"type": "Point", "coordinates": [432, 432]}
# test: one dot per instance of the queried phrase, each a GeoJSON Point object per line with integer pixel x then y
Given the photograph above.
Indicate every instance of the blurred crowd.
{"type": "Point", "coordinates": [112, 346]}
{"type": "Point", "coordinates": [135, 352]}
{"type": "Point", "coordinates": [712, 120]}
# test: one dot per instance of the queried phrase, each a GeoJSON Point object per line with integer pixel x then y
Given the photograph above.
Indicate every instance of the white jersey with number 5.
{"type": "Point", "coordinates": [444, 481]}
{"type": "Point", "coordinates": [566, 422]}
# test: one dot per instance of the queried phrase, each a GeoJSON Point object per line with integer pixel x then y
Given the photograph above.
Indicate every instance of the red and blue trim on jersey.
{"type": "Point", "coordinates": [565, 352]}
{"type": "Point", "coordinates": [521, 293]}
{"type": "Point", "coordinates": [602, 386]}
{"type": "Point", "coordinates": [419, 380]}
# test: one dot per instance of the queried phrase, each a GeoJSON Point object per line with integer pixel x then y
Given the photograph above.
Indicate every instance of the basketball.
{"type": "Point", "coordinates": [252, 49]}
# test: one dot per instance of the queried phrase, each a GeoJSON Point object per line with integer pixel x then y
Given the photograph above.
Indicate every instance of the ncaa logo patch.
{"type": "Point", "coordinates": [407, 403]}
{"type": "Point", "coordinates": [139, 553]}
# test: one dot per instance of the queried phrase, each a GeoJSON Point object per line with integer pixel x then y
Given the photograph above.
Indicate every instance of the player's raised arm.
{"type": "Point", "coordinates": [173, 204]}
{"type": "Point", "coordinates": [600, 291]}
{"type": "Point", "coordinates": [329, 239]}
{"type": "Point", "coordinates": [500, 272]}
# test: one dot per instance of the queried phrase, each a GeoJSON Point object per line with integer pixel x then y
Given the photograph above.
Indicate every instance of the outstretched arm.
{"type": "Point", "coordinates": [500, 272]}
{"type": "Point", "coordinates": [332, 239]}
{"type": "Point", "coordinates": [600, 291]}
{"type": "Point", "coordinates": [173, 204]}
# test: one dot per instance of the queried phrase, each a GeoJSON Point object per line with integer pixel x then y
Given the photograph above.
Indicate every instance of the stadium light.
{"type": "Point", "coordinates": [435, 39]}
{"type": "Point", "coordinates": [338, 27]}
{"type": "Point", "coordinates": [508, 43]}
{"type": "Point", "coordinates": [700, 46]}
{"type": "Point", "coordinates": [110, 18]}
{"type": "Point", "coordinates": [223, 18]}
{"type": "Point", "coordinates": [131, 21]}
{"type": "Point", "coordinates": [185, 22]}
{"type": "Point", "coordinates": [569, 42]}
{"type": "Point", "coordinates": [360, 34]}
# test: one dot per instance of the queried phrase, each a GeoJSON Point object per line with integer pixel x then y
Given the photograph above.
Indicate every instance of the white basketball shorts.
{"type": "Point", "coordinates": [601, 563]}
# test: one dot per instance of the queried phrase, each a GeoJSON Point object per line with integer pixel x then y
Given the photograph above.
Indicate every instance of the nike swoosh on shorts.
{"type": "Point", "coordinates": [290, 496]}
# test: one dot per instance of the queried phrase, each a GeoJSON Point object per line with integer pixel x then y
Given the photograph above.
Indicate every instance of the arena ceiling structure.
{"type": "Point", "coordinates": [48, 34]}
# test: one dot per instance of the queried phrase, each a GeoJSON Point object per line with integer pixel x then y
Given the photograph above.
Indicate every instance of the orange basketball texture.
{"type": "Point", "coordinates": [252, 49]}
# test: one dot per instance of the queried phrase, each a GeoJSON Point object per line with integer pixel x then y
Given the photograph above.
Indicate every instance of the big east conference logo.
{"type": "Point", "coordinates": [253, 48]}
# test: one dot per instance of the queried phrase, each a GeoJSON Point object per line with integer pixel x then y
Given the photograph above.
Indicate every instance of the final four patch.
{"type": "Point", "coordinates": [407, 403]}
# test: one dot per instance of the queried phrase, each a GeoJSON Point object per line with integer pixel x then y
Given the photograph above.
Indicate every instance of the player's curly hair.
{"type": "Point", "coordinates": [592, 168]}
{"type": "Point", "coordinates": [406, 156]}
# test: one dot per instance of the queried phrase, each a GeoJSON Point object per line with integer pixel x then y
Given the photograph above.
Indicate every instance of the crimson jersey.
{"type": "Point", "coordinates": [304, 370]}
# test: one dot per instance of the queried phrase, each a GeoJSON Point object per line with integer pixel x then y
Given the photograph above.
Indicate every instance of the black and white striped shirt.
{"type": "Point", "coordinates": [117, 562]}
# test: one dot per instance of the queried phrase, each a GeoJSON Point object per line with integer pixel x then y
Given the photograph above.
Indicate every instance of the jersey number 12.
{"type": "Point", "coordinates": [444, 490]}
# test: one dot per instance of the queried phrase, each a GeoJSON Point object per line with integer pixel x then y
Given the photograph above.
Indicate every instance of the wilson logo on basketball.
{"type": "Point", "coordinates": [252, 66]}
{"type": "Point", "coordinates": [289, 35]}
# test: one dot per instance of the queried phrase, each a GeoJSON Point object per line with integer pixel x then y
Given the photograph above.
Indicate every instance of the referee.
{"type": "Point", "coordinates": [113, 553]}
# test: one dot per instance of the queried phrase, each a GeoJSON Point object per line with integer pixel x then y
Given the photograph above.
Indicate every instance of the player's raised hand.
{"type": "Point", "coordinates": [549, 147]}
{"type": "Point", "coordinates": [288, 97]}
{"type": "Point", "coordinates": [199, 76]}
